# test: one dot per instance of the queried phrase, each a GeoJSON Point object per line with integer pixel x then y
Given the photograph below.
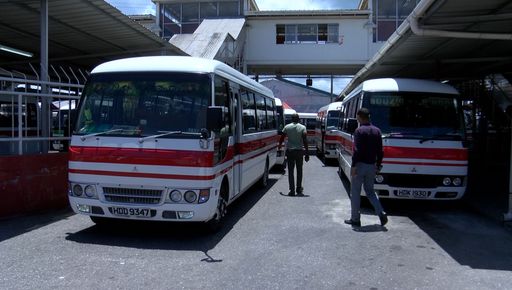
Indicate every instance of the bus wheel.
{"type": "Point", "coordinates": [215, 223]}
{"type": "Point", "coordinates": [264, 178]}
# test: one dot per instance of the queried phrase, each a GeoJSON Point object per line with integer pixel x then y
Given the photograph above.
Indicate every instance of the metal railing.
{"type": "Point", "coordinates": [37, 116]}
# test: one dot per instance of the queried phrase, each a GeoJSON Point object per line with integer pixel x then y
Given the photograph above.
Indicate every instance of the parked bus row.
{"type": "Point", "coordinates": [422, 123]}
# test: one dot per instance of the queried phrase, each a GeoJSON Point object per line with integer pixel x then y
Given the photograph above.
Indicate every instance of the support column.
{"type": "Point", "coordinates": [331, 88]}
{"type": "Point", "coordinates": [45, 101]}
{"type": "Point", "coordinates": [507, 217]}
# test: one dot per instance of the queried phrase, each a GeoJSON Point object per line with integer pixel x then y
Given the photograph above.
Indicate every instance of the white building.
{"type": "Point", "coordinates": [328, 42]}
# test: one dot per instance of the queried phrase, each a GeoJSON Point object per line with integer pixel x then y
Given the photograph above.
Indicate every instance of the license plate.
{"type": "Point", "coordinates": [127, 211]}
{"type": "Point", "coordinates": [413, 192]}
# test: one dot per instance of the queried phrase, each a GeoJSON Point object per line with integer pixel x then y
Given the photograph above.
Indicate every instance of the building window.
{"type": "Point", "coordinates": [208, 10]}
{"type": "Point", "coordinates": [388, 15]}
{"type": "Point", "coordinates": [185, 17]}
{"type": "Point", "coordinates": [228, 8]}
{"type": "Point", "coordinates": [307, 33]}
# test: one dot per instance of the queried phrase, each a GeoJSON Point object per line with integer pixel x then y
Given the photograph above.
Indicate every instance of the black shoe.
{"type": "Point", "coordinates": [291, 193]}
{"type": "Point", "coordinates": [383, 219]}
{"type": "Point", "coordinates": [353, 223]}
{"type": "Point", "coordinates": [300, 190]}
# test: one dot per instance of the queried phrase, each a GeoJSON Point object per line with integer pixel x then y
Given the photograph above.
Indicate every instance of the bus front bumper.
{"type": "Point", "coordinates": [158, 212]}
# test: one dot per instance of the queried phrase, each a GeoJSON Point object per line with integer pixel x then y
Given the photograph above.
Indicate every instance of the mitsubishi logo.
{"type": "Point", "coordinates": [413, 169]}
{"type": "Point", "coordinates": [134, 168]}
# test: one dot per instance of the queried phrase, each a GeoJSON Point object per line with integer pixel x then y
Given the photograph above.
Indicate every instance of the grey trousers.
{"type": "Point", "coordinates": [294, 157]}
{"type": "Point", "coordinates": [365, 176]}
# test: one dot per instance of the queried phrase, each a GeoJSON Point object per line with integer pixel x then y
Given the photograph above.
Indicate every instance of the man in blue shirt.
{"type": "Point", "coordinates": [366, 162]}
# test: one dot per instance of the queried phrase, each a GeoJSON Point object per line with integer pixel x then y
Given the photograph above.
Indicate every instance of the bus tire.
{"type": "Point", "coordinates": [263, 182]}
{"type": "Point", "coordinates": [213, 225]}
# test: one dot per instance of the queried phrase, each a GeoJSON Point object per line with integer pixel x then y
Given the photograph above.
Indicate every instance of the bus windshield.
{"type": "Point", "coordinates": [144, 104]}
{"type": "Point", "coordinates": [333, 118]}
{"type": "Point", "coordinates": [416, 115]}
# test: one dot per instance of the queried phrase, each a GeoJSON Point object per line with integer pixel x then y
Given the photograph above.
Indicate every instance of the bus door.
{"type": "Point", "coordinates": [235, 140]}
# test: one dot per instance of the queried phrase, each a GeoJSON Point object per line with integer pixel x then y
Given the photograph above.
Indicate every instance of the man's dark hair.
{"type": "Point", "coordinates": [295, 118]}
{"type": "Point", "coordinates": [364, 113]}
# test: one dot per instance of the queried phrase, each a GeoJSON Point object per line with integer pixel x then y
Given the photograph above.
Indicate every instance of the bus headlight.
{"type": "Point", "coordinates": [447, 181]}
{"type": "Point", "coordinates": [175, 196]}
{"type": "Point", "coordinates": [78, 190]}
{"type": "Point", "coordinates": [190, 196]}
{"type": "Point", "coordinates": [379, 178]}
{"type": "Point", "coordinates": [457, 181]}
{"type": "Point", "coordinates": [90, 191]}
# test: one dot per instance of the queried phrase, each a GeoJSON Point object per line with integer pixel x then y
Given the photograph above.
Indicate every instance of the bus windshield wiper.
{"type": "Point", "coordinates": [167, 133]}
{"type": "Point", "coordinates": [99, 133]}
{"type": "Point", "coordinates": [398, 134]}
{"type": "Point", "coordinates": [434, 137]}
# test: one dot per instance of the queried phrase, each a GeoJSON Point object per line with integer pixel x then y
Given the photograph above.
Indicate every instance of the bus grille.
{"type": "Point", "coordinates": [132, 195]}
{"type": "Point", "coordinates": [413, 180]}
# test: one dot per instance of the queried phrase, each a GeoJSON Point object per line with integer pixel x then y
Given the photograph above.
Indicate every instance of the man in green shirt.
{"type": "Point", "coordinates": [295, 148]}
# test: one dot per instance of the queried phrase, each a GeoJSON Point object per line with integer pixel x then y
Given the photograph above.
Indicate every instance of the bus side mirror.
{"type": "Point", "coordinates": [214, 118]}
{"type": "Point", "coordinates": [351, 125]}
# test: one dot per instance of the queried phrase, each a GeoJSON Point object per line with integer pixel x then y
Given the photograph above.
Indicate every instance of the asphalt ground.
{"type": "Point", "coordinates": [269, 241]}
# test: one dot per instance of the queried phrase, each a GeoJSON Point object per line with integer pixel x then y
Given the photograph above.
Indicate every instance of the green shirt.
{"type": "Point", "coordinates": [294, 131]}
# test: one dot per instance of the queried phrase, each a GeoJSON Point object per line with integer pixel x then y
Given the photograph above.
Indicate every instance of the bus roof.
{"type": "Point", "coordinates": [330, 107]}
{"type": "Point", "coordinates": [406, 85]}
{"type": "Point", "coordinates": [289, 111]}
{"type": "Point", "coordinates": [180, 64]}
{"type": "Point", "coordinates": [307, 115]}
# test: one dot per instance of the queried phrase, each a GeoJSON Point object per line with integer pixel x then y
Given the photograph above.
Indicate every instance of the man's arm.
{"type": "Point", "coordinates": [281, 140]}
{"type": "Point", "coordinates": [355, 153]}
{"type": "Point", "coordinates": [305, 142]}
{"type": "Point", "coordinates": [380, 152]}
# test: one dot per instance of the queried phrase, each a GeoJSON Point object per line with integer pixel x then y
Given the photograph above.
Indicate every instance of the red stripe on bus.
{"type": "Point", "coordinates": [426, 153]}
{"type": "Point", "coordinates": [247, 147]}
{"type": "Point", "coordinates": [143, 175]}
{"type": "Point", "coordinates": [422, 163]}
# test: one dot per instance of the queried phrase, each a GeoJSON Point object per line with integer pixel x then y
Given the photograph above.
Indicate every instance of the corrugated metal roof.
{"type": "Point", "coordinates": [446, 58]}
{"type": "Point", "coordinates": [199, 44]}
{"type": "Point", "coordinates": [208, 38]}
{"type": "Point", "coordinates": [81, 33]}
{"type": "Point", "coordinates": [230, 25]}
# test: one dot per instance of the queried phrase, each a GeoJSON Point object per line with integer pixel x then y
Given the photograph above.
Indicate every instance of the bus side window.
{"type": "Point", "coordinates": [261, 112]}
{"type": "Point", "coordinates": [270, 109]}
{"type": "Point", "coordinates": [248, 112]}
{"type": "Point", "coordinates": [347, 115]}
{"type": "Point", "coordinates": [341, 119]}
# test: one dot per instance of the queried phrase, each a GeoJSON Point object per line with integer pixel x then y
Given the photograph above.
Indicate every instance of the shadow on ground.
{"type": "Point", "coordinates": [16, 226]}
{"type": "Point", "coordinates": [170, 236]}
{"type": "Point", "coordinates": [469, 236]}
